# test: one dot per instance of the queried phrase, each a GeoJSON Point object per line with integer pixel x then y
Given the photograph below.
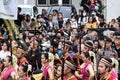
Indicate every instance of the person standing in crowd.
{"type": "Point", "coordinates": [47, 69]}
{"type": "Point", "coordinates": [92, 34]}
{"type": "Point", "coordinates": [60, 20]}
{"type": "Point", "coordinates": [9, 72]}
{"type": "Point", "coordinates": [55, 19]}
{"type": "Point", "coordinates": [85, 68]}
{"type": "Point", "coordinates": [67, 28]}
{"type": "Point", "coordinates": [73, 21]}
{"type": "Point", "coordinates": [51, 58]}
{"type": "Point", "coordinates": [113, 23]}
{"type": "Point", "coordinates": [74, 31]}
{"type": "Point", "coordinates": [83, 30]}
{"type": "Point", "coordinates": [20, 18]}
{"type": "Point", "coordinates": [50, 24]}
{"type": "Point", "coordinates": [102, 23]}
{"type": "Point", "coordinates": [75, 42]}
{"type": "Point", "coordinates": [53, 49]}
{"type": "Point", "coordinates": [39, 16]}
{"type": "Point", "coordinates": [118, 25]}
{"type": "Point", "coordinates": [43, 28]}
{"type": "Point", "coordinates": [5, 51]}
{"type": "Point", "coordinates": [106, 50]}
{"type": "Point", "coordinates": [96, 46]}
{"type": "Point", "coordinates": [83, 18]}
{"type": "Point", "coordinates": [95, 15]}
{"type": "Point", "coordinates": [104, 69]}
{"type": "Point", "coordinates": [20, 56]}
{"type": "Point", "coordinates": [92, 23]}
{"type": "Point", "coordinates": [32, 25]}
{"type": "Point", "coordinates": [33, 56]}
{"type": "Point", "coordinates": [88, 46]}
{"type": "Point", "coordinates": [23, 72]}
{"type": "Point", "coordinates": [60, 46]}
{"type": "Point", "coordinates": [27, 21]}
{"type": "Point", "coordinates": [66, 50]}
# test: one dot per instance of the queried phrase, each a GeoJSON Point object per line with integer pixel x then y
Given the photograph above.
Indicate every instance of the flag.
{"type": "Point", "coordinates": [8, 9]}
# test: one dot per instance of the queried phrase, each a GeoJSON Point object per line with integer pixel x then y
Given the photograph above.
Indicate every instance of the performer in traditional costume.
{"type": "Point", "coordinates": [8, 72]}
{"type": "Point", "coordinates": [23, 71]}
{"type": "Point", "coordinates": [85, 71]}
{"type": "Point", "coordinates": [20, 55]}
{"type": "Point", "coordinates": [47, 69]}
{"type": "Point", "coordinates": [104, 69]}
{"type": "Point", "coordinates": [69, 70]}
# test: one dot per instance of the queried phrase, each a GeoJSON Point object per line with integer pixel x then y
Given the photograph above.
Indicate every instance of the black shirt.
{"type": "Point", "coordinates": [19, 20]}
{"type": "Point", "coordinates": [102, 24]}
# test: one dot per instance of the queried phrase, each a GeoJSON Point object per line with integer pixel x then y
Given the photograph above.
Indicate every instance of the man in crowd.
{"type": "Point", "coordinates": [106, 50]}
{"type": "Point", "coordinates": [19, 18]}
{"type": "Point", "coordinates": [34, 54]}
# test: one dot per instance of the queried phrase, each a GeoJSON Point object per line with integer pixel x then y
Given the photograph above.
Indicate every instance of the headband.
{"type": "Point", "coordinates": [107, 63]}
{"type": "Point", "coordinates": [70, 65]}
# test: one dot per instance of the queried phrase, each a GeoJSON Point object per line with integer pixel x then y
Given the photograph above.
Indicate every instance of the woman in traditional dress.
{"type": "Point", "coordinates": [23, 72]}
{"type": "Point", "coordinates": [47, 69]}
{"type": "Point", "coordinates": [9, 72]}
{"type": "Point", "coordinates": [85, 71]}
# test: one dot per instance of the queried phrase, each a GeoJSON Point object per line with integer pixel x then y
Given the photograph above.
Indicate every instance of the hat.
{"type": "Point", "coordinates": [89, 44]}
{"type": "Point", "coordinates": [41, 20]}
{"type": "Point", "coordinates": [69, 63]}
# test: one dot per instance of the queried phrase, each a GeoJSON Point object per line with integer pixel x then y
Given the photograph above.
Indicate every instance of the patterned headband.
{"type": "Point", "coordinates": [104, 61]}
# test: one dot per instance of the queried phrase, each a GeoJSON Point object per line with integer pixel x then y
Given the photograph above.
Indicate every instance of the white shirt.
{"type": "Point", "coordinates": [3, 54]}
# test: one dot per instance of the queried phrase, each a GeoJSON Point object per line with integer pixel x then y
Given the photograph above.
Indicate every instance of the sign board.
{"type": "Point", "coordinates": [8, 9]}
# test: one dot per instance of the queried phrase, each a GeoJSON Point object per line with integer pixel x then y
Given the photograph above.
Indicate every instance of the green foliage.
{"type": "Point", "coordinates": [101, 8]}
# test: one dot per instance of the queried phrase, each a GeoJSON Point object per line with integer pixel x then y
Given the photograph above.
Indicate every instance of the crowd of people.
{"type": "Point", "coordinates": [84, 47]}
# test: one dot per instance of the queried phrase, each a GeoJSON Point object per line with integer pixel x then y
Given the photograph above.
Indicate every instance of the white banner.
{"type": "Point", "coordinates": [8, 9]}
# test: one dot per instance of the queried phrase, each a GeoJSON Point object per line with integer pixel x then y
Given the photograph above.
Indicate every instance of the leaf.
{"type": "Point", "coordinates": [87, 5]}
{"type": "Point", "coordinates": [101, 8]}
